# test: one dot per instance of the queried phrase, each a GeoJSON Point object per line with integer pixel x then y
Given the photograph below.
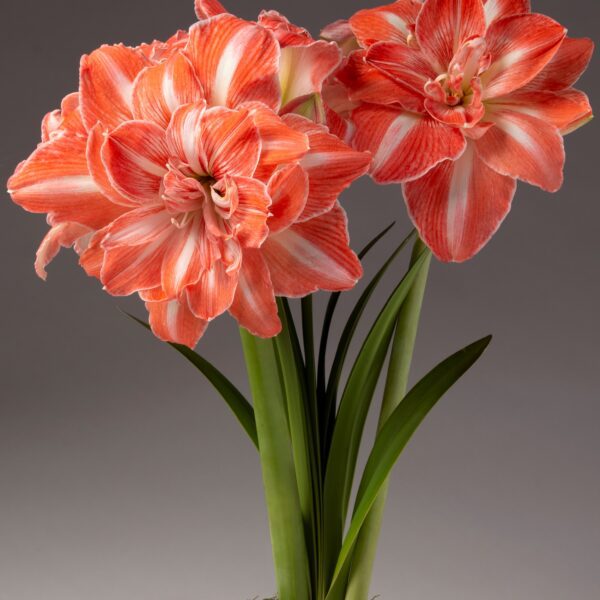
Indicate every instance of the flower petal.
{"type": "Point", "coordinates": [389, 23]}
{"type": "Point", "coordinates": [369, 83]}
{"type": "Point", "coordinates": [63, 235]}
{"type": "Point", "coordinates": [524, 147]}
{"type": "Point", "coordinates": [565, 109]}
{"type": "Point", "coordinates": [136, 155]}
{"type": "Point", "coordinates": [288, 189]}
{"type": "Point", "coordinates": [106, 82]}
{"type": "Point", "coordinates": [208, 8]}
{"type": "Point", "coordinates": [498, 9]}
{"type": "Point", "coordinates": [213, 293]}
{"type": "Point", "coordinates": [566, 66]}
{"type": "Point", "coordinates": [55, 180]}
{"type": "Point", "coordinates": [137, 227]}
{"type": "Point", "coordinates": [404, 145]}
{"type": "Point", "coordinates": [184, 136]}
{"type": "Point", "coordinates": [312, 256]}
{"type": "Point", "coordinates": [68, 119]}
{"type": "Point", "coordinates": [303, 69]}
{"type": "Point", "coordinates": [159, 90]}
{"type": "Point", "coordinates": [279, 142]}
{"type": "Point", "coordinates": [443, 26]}
{"type": "Point", "coordinates": [286, 33]}
{"type": "Point", "coordinates": [520, 47]}
{"type": "Point", "coordinates": [230, 142]}
{"type": "Point", "coordinates": [407, 66]}
{"type": "Point", "coordinates": [459, 205]}
{"type": "Point", "coordinates": [173, 321]}
{"type": "Point", "coordinates": [330, 164]}
{"type": "Point", "coordinates": [236, 61]}
{"type": "Point", "coordinates": [95, 141]}
{"type": "Point", "coordinates": [182, 262]}
{"type": "Point", "coordinates": [129, 269]}
{"type": "Point", "coordinates": [249, 220]}
{"type": "Point", "coordinates": [254, 304]}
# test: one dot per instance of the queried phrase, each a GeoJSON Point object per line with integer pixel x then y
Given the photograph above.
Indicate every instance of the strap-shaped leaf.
{"type": "Point", "coordinates": [236, 401]}
{"type": "Point", "coordinates": [326, 409]}
{"type": "Point", "coordinates": [398, 430]}
{"type": "Point", "coordinates": [352, 413]}
{"type": "Point", "coordinates": [353, 320]}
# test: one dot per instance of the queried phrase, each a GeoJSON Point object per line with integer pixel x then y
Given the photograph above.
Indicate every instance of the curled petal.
{"type": "Point", "coordinates": [55, 180]}
{"type": "Point", "coordinates": [286, 33]}
{"type": "Point", "coordinates": [160, 89]}
{"type": "Point", "coordinates": [443, 26]}
{"type": "Point", "coordinates": [136, 156]}
{"type": "Point", "coordinates": [106, 82]}
{"type": "Point", "coordinates": [312, 256]}
{"type": "Point", "coordinates": [213, 293]}
{"type": "Point", "coordinates": [236, 61]}
{"type": "Point", "coordinates": [524, 147]}
{"type": "Point", "coordinates": [208, 8]}
{"type": "Point", "coordinates": [303, 69]}
{"type": "Point", "coordinates": [288, 189]}
{"type": "Point", "coordinates": [63, 235]}
{"type": "Point", "coordinates": [254, 304]}
{"type": "Point", "coordinates": [390, 23]}
{"type": "Point", "coordinates": [67, 119]}
{"type": "Point", "coordinates": [172, 321]}
{"type": "Point", "coordinates": [330, 164]}
{"type": "Point", "coordinates": [498, 9]}
{"type": "Point", "coordinates": [520, 47]}
{"type": "Point", "coordinates": [566, 66]}
{"type": "Point", "coordinates": [404, 145]}
{"type": "Point", "coordinates": [95, 141]}
{"type": "Point", "coordinates": [249, 220]}
{"type": "Point", "coordinates": [459, 205]}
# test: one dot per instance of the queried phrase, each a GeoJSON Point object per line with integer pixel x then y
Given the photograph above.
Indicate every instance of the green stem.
{"type": "Point", "coordinates": [288, 541]}
{"type": "Point", "coordinates": [363, 557]}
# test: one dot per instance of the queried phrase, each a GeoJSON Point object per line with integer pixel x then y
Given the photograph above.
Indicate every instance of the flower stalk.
{"type": "Point", "coordinates": [403, 344]}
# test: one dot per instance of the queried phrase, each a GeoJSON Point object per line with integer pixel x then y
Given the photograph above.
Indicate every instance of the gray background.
{"type": "Point", "coordinates": [124, 477]}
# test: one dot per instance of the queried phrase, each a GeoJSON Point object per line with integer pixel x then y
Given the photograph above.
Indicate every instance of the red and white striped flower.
{"type": "Point", "coordinates": [181, 172]}
{"type": "Point", "coordinates": [457, 99]}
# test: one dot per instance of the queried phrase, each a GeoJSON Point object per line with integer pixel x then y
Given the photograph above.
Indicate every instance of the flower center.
{"type": "Point", "coordinates": [454, 97]}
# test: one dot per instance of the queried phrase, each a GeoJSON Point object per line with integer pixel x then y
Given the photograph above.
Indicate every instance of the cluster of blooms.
{"type": "Point", "coordinates": [203, 173]}
{"type": "Point", "coordinates": [456, 100]}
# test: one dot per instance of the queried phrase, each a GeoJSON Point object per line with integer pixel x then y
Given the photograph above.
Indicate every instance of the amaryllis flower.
{"type": "Point", "coordinates": [457, 100]}
{"type": "Point", "coordinates": [180, 172]}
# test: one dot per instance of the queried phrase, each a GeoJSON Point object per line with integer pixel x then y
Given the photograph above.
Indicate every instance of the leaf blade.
{"type": "Point", "coordinates": [241, 408]}
{"type": "Point", "coordinates": [398, 430]}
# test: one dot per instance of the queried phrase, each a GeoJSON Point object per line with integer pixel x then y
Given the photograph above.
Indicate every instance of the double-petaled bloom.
{"type": "Point", "coordinates": [182, 171]}
{"type": "Point", "coordinates": [456, 100]}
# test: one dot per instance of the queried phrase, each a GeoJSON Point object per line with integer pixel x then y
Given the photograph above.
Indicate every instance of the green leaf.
{"type": "Point", "coordinates": [352, 413]}
{"type": "Point", "coordinates": [236, 401]}
{"type": "Point", "coordinates": [326, 410]}
{"type": "Point", "coordinates": [353, 320]}
{"type": "Point", "coordinates": [398, 430]}
{"type": "Point", "coordinates": [288, 540]}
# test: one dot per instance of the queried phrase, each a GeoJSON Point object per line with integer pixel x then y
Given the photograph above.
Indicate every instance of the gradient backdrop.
{"type": "Point", "coordinates": [124, 477]}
